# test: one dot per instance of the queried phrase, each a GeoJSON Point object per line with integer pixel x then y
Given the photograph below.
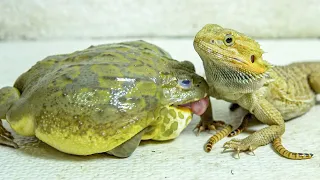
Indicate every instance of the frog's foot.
{"type": "Point", "coordinates": [6, 137]}
{"type": "Point", "coordinates": [5, 140]}
{"type": "Point", "coordinates": [239, 145]}
{"type": "Point", "coordinates": [206, 124]}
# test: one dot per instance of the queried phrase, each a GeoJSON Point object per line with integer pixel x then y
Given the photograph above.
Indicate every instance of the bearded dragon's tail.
{"type": "Point", "coordinates": [290, 155]}
{"type": "Point", "coordinates": [217, 137]}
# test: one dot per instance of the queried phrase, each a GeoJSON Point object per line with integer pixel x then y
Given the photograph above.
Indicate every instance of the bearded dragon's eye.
{"type": "Point", "coordinates": [212, 41]}
{"type": "Point", "coordinates": [185, 83]}
{"type": "Point", "coordinates": [228, 40]}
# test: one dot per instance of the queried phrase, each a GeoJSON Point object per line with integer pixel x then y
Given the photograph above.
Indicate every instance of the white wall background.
{"type": "Point", "coordinates": [82, 19]}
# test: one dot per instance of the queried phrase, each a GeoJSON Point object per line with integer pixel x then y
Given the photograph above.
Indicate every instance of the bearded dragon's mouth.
{"type": "Point", "coordinates": [197, 107]}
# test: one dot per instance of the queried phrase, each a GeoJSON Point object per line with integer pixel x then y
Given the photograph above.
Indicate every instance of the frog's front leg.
{"type": "Point", "coordinates": [8, 95]}
{"type": "Point", "coordinates": [268, 114]}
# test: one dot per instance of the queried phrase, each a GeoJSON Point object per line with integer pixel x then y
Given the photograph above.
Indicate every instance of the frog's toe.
{"type": "Point", "coordinates": [7, 141]}
{"type": "Point", "coordinates": [6, 138]}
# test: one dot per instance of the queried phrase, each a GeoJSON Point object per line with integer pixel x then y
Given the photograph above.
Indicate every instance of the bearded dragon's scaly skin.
{"type": "Point", "coordinates": [217, 137]}
{"type": "Point", "coordinates": [236, 72]}
{"type": "Point", "coordinates": [242, 126]}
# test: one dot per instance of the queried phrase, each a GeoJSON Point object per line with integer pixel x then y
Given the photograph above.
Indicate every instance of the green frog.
{"type": "Point", "coordinates": [106, 98]}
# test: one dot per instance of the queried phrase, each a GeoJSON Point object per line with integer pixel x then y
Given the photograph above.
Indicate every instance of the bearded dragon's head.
{"type": "Point", "coordinates": [236, 50]}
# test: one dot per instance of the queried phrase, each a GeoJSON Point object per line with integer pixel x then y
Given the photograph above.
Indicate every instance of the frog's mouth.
{"type": "Point", "coordinates": [197, 107]}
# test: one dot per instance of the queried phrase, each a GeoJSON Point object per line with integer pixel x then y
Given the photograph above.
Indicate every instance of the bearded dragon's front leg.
{"type": "Point", "coordinates": [268, 114]}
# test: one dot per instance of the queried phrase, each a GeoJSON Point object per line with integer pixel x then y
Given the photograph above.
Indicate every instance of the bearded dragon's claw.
{"type": "Point", "coordinates": [199, 128]}
{"type": "Point", "coordinates": [238, 146]}
{"type": "Point", "coordinates": [208, 125]}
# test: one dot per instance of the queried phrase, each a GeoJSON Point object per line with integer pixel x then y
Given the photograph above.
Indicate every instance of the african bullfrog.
{"type": "Point", "coordinates": [106, 98]}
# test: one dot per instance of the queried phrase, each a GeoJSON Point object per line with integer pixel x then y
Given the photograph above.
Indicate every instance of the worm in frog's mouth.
{"type": "Point", "coordinates": [197, 107]}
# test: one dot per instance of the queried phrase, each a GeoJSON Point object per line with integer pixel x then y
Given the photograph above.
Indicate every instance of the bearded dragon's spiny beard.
{"type": "Point", "coordinates": [234, 79]}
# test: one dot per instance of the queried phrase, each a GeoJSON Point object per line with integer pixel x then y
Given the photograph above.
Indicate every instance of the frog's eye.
{"type": "Point", "coordinates": [185, 83]}
{"type": "Point", "coordinates": [228, 40]}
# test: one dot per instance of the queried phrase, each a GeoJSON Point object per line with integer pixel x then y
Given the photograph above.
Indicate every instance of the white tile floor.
{"type": "Point", "coordinates": [182, 158]}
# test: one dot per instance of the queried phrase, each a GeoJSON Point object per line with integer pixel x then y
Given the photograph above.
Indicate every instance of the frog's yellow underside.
{"type": "Point", "coordinates": [164, 123]}
{"type": "Point", "coordinates": [165, 127]}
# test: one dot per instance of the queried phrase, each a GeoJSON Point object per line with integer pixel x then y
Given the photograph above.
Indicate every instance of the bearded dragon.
{"type": "Point", "coordinates": [236, 72]}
